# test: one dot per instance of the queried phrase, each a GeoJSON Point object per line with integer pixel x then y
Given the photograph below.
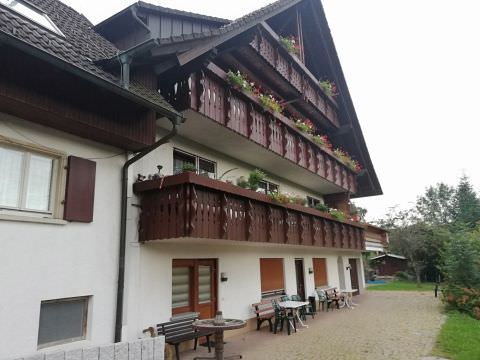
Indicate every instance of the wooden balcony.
{"type": "Point", "coordinates": [209, 94]}
{"type": "Point", "coordinates": [266, 44]}
{"type": "Point", "coordinates": [189, 205]}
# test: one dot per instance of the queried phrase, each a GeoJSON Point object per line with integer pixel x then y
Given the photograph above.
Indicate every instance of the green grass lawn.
{"type": "Point", "coordinates": [459, 338]}
{"type": "Point", "coordinates": [402, 285]}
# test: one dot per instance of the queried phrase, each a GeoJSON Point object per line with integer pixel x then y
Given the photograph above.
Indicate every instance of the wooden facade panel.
{"type": "Point", "coordinates": [217, 210]}
{"type": "Point", "coordinates": [83, 109]}
{"type": "Point", "coordinates": [238, 115]}
{"type": "Point", "coordinates": [259, 127]}
{"type": "Point", "coordinates": [276, 137]}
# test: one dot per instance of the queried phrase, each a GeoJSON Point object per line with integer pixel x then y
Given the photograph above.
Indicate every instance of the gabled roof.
{"type": "Point", "coordinates": [162, 10]}
{"type": "Point", "coordinates": [76, 52]}
{"type": "Point", "coordinates": [389, 255]}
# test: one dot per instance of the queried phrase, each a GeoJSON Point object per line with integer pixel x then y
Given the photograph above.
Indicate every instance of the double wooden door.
{"type": "Point", "coordinates": [194, 287]}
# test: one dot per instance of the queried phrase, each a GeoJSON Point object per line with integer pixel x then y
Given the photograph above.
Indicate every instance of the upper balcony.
{"type": "Point", "coordinates": [217, 113]}
{"type": "Point", "coordinates": [189, 205]}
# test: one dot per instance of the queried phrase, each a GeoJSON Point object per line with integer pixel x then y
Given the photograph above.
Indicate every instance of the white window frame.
{"type": "Point", "coordinates": [57, 184]}
{"type": "Point", "coordinates": [197, 161]}
{"type": "Point", "coordinates": [268, 185]}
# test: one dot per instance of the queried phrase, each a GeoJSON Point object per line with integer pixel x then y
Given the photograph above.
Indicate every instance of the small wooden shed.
{"type": "Point", "coordinates": [389, 264]}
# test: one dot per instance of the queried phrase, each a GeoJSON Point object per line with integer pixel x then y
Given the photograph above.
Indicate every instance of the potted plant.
{"type": "Point", "coordinates": [323, 141]}
{"type": "Point", "coordinates": [338, 214]}
{"type": "Point", "coordinates": [322, 207]}
{"type": "Point", "coordinates": [290, 44]}
{"type": "Point", "coordinates": [254, 179]}
{"type": "Point", "coordinates": [189, 167]}
{"type": "Point", "coordinates": [239, 81]}
{"type": "Point", "coordinates": [242, 182]}
{"type": "Point", "coordinates": [269, 102]}
{"type": "Point", "coordinates": [328, 87]}
{"type": "Point", "coordinates": [305, 126]}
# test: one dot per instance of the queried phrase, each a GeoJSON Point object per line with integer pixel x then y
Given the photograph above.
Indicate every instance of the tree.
{"type": "Point", "coordinates": [466, 204]}
{"type": "Point", "coordinates": [461, 259]}
{"type": "Point", "coordinates": [435, 207]}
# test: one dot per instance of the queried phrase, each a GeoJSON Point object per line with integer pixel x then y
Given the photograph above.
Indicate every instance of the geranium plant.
{"type": "Point", "coordinates": [328, 87]}
{"type": "Point", "coordinates": [239, 80]}
{"type": "Point", "coordinates": [338, 214]}
{"type": "Point", "coordinates": [345, 158]}
{"type": "Point", "coordinates": [291, 44]}
{"type": "Point", "coordinates": [323, 141]}
{"type": "Point", "coordinates": [305, 126]}
{"type": "Point", "coordinates": [269, 102]}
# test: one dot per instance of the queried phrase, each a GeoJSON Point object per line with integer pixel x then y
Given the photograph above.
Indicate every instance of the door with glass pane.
{"type": "Point", "coordinates": [194, 286]}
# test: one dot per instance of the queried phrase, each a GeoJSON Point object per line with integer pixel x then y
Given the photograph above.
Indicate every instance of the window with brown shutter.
{"type": "Point", "coordinates": [272, 277]}
{"type": "Point", "coordinates": [80, 191]}
{"type": "Point", "coordinates": [320, 271]}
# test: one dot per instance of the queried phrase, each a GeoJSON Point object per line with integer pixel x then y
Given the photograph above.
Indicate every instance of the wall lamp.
{"type": "Point", "coordinates": [223, 277]}
{"type": "Point", "coordinates": [310, 270]}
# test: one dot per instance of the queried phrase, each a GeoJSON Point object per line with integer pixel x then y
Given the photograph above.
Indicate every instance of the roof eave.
{"type": "Point", "coordinates": [114, 88]}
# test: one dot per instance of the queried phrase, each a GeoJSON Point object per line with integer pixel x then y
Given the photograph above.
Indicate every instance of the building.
{"type": "Point", "coordinates": [76, 101]}
{"type": "Point", "coordinates": [389, 264]}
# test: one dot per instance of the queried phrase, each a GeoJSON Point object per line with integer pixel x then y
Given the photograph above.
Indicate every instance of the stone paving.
{"type": "Point", "coordinates": [384, 325]}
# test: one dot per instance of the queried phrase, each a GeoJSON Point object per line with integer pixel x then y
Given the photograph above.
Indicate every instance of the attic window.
{"type": "Point", "coordinates": [33, 13]}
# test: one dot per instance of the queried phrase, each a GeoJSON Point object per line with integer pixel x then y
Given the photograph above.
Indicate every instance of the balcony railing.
{"type": "Point", "coordinates": [210, 94]}
{"type": "Point", "coordinates": [291, 69]}
{"type": "Point", "coordinates": [190, 205]}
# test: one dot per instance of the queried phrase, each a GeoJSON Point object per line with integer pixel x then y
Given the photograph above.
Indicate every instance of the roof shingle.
{"type": "Point", "coordinates": [80, 47]}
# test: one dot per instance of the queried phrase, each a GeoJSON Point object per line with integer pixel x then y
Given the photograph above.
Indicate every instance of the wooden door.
{"type": "Point", "coordinates": [300, 278]}
{"type": "Point", "coordinates": [194, 287]}
{"type": "Point", "coordinates": [354, 275]}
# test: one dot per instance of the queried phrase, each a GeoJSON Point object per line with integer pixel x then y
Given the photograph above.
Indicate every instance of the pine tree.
{"type": "Point", "coordinates": [466, 204]}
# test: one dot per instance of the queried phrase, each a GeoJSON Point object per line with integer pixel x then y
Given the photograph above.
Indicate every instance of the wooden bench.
{"type": "Point", "coordinates": [264, 312]}
{"type": "Point", "coordinates": [333, 297]}
{"type": "Point", "coordinates": [181, 330]}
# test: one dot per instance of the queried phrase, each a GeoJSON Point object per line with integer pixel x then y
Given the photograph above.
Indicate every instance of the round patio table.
{"type": "Point", "coordinates": [219, 325]}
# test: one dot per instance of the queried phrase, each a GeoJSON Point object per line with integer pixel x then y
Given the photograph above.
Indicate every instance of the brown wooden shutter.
{"type": "Point", "coordinates": [320, 271]}
{"type": "Point", "coordinates": [80, 191]}
{"type": "Point", "coordinates": [271, 274]}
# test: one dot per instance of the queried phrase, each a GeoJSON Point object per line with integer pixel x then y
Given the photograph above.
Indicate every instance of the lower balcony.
{"type": "Point", "coordinates": [190, 205]}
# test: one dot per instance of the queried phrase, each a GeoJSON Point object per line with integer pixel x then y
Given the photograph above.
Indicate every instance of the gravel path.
{"type": "Point", "coordinates": [384, 325]}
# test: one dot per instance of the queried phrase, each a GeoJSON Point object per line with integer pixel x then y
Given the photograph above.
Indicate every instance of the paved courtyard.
{"type": "Point", "coordinates": [384, 325]}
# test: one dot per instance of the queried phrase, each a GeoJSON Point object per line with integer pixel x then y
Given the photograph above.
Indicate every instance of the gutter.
{"type": "Point", "coordinates": [123, 224]}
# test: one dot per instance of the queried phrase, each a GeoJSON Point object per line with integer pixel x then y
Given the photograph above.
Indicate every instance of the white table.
{"type": "Point", "coordinates": [348, 298]}
{"type": "Point", "coordinates": [294, 306]}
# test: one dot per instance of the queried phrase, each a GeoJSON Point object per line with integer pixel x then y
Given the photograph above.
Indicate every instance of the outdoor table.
{"type": "Point", "coordinates": [348, 298]}
{"type": "Point", "coordinates": [219, 325]}
{"type": "Point", "coordinates": [294, 306]}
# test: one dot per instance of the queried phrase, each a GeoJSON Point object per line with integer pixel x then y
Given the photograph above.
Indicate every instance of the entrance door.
{"type": "Point", "coordinates": [300, 278]}
{"type": "Point", "coordinates": [354, 275]}
{"type": "Point", "coordinates": [194, 287]}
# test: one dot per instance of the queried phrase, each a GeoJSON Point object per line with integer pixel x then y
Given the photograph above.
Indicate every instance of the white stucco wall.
{"type": "Point", "coordinates": [164, 156]}
{"type": "Point", "coordinates": [40, 261]}
{"type": "Point", "coordinates": [151, 296]}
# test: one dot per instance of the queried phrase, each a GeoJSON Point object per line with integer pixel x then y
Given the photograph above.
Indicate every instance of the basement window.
{"type": "Point", "coordinates": [62, 321]}
{"type": "Point", "coordinates": [33, 13]}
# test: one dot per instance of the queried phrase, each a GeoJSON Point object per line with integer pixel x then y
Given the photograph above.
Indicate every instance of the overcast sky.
{"type": "Point", "coordinates": [413, 70]}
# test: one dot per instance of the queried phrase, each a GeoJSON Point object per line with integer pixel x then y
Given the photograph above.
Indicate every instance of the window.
{"type": "Point", "coordinates": [320, 271]}
{"type": "Point", "coordinates": [62, 321]}
{"type": "Point", "coordinates": [203, 166]}
{"type": "Point", "coordinates": [33, 13]}
{"type": "Point", "coordinates": [312, 202]}
{"type": "Point", "coordinates": [271, 277]}
{"type": "Point", "coordinates": [267, 187]}
{"type": "Point", "coordinates": [27, 180]}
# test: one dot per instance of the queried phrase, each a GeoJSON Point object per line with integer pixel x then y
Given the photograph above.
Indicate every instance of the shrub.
{"type": "Point", "coordinates": [254, 178]}
{"type": "Point", "coordinates": [188, 167]}
{"type": "Point", "coordinates": [337, 214]}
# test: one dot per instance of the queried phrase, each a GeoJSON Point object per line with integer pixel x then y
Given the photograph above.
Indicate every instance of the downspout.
{"type": "Point", "coordinates": [123, 223]}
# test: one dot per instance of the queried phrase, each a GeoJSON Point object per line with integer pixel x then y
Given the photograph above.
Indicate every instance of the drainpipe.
{"type": "Point", "coordinates": [123, 222]}
{"type": "Point", "coordinates": [125, 61]}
